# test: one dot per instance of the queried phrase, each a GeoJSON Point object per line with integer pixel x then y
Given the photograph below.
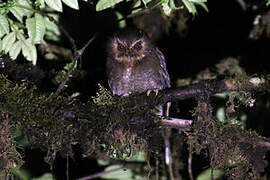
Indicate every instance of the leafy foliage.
{"type": "Point", "coordinates": [104, 4]}
{"type": "Point", "coordinates": [190, 5]}
{"type": "Point", "coordinates": [13, 34]}
{"type": "Point", "coordinates": [167, 5]}
{"type": "Point", "coordinates": [13, 37]}
{"type": "Point", "coordinates": [28, 15]}
{"type": "Point", "coordinates": [267, 2]}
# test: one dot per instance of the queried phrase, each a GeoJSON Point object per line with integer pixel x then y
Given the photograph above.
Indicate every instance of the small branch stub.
{"type": "Point", "coordinates": [177, 123]}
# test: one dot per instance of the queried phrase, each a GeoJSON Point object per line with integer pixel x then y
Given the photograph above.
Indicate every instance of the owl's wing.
{"type": "Point", "coordinates": [163, 71]}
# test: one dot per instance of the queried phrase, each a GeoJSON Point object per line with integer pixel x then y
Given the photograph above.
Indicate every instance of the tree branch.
{"type": "Point", "coordinates": [177, 123]}
{"type": "Point", "coordinates": [208, 88]}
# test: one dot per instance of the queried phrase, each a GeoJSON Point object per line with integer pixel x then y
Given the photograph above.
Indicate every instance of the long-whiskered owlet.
{"type": "Point", "coordinates": [134, 64]}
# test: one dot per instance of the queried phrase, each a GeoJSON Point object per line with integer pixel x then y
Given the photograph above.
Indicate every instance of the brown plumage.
{"type": "Point", "coordinates": [134, 64]}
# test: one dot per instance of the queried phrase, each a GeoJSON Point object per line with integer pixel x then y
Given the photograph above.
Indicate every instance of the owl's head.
{"type": "Point", "coordinates": [129, 47]}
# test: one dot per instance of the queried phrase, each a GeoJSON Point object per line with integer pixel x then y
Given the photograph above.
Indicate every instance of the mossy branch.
{"type": "Point", "coordinates": [116, 125]}
{"type": "Point", "coordinates": [208, 88]}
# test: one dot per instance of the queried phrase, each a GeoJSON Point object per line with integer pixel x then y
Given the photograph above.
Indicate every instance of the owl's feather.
{"type": "Point", "coordinates": [134, 64]}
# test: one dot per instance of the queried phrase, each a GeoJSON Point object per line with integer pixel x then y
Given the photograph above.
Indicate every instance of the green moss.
{"type": "Point", "coordinates": [129, 122]}
{"type": "Point", "coordinates": [36, 115]}
{"type": "Point", "coordinates": [9, 158]}
{"type": "Point", "coordinates": [225, 144]}
{"type": "Point", "coordinates": [103, 97]}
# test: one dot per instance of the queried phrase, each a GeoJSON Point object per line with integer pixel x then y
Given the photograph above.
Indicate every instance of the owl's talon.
{"type": "Point", "coordinates": [150, 90]}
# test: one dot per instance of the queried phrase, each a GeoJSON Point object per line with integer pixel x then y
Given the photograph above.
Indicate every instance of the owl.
{"type": "Point", "coordinates": [134, 64]}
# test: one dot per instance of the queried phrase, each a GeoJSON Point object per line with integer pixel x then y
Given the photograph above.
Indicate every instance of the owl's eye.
{"type": "Point", "coordinates": [137, 46]}
{"type": "Point", "coordinates": [120, 47]}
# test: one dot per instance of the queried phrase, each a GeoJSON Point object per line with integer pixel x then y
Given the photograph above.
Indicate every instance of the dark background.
{"type": "Point", "coordinates": [221, 33]}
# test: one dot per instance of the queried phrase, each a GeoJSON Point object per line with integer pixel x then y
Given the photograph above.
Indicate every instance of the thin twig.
{"type": "Point", "coordinates": [170, 171]}
{"type": "Point", "coordinates": [67, 170]}
{"type": "Point", "coordinates": [177, 123]}
{"type": "Point", "coordinates": [263, 142]}
{"type": "Point", "coordinates": [63, 83]}
{"type": "Point", "coordinates": [62, 29]}
{"type": "Point", "coordinates": [143, 11]}
{"type": "Point", "coordinates": [76, 53]}
{"type": "Point", "coordinates": [190, 166]}
{"type": "Point", "coordinates": [76, 56]}
{"type": "Point", "coordinates": [242, 4]}
{"type": "Point", "coordinates": [168, 156]}
{"type": "Point", "coordinates": [80, 52]}
{"type": "Point", "coordinates": [212, 173]}
{"type": "Point", "coordinates": [157, 174]}
{"type": "Point", "coordinates": [150, 170]}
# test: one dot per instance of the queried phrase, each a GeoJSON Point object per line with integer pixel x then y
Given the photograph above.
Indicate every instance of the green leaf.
{"type": "Point", "coordinates": [220, 114]}
{"type": "Point", "coordinates": [55, 4]}
{"type": "Point", "coordinates": [40, 28]}
{"type": "Point", "coordinates": [203, 5]}
{"type": "Point", "coordinates": [72, 3]}
{"type": "Point", "coordinates": [222, 95]}
{"type": "Point", "coordinates": [40, 4]}
{"type": "Point", "coordinates": [120, 174]}
{"type": "Point", "coordinates": [8, 41]}
{"type": "Point", "coordinates": [139, 156]}
{"type": "Point", "coordinates": [1, 45]}
{"type": "Point", "coordinates": [173, 5]}
{"type": "Point", "coordinates": [166, 8]}
{"type": "Point", "coordinates": [17, 12]}
{"type": "Point", "coordinates": [190, 6]}
{"type": "Point", "coordinates": [36, 28]}
{"type": "Point", "coordinates": [206, 175]}
{"type": "Point", "coordinates": [122, 24]}
{"type": "Point", "coordinates": [102, 162]}
{"type": "Point", "coordinates": [31, 28]}
{"type": "Point", "coordinates": [15, 50]}
{"type": "Point", "coordinates": [51, 26]}
{"type": "Point", "coordinates": [53, 31]}
{"type": "Point", "coordinates": [4, 26]}
{"type": "Point", "coordinates": [25, 3]}
{"type": "Point", "coordinates": [104, 4]}
{"type": "Point", "coordinates": [46, 176]}
{"type": "Point", "coordinates": [51, 36]}
{"type": "Point", "coordinates": [138, 4]}
{"type": "Point", "coordinates": [21, 173]}
{"type": "Point", "coordinates": [198, 1]}
{"type": "Point", "coordinates": [29, 51]}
